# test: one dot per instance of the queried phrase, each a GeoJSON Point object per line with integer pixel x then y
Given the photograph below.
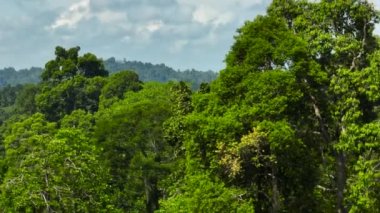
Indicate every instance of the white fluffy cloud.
{"type": "Point", "coordinates": [211, 16]}
{"type": "Point", "coordinates": [154, 26]}
{"type": "Point", "coordinates": [111, 17]}
{"type": "Point", "coordinates": [75, 13]}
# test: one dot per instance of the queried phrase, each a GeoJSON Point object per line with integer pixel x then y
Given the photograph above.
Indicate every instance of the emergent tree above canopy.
{"type": "Point", "coordinates": [68, 63]}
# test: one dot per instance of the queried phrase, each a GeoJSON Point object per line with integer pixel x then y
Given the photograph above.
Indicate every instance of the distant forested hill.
{"type": "Point", "coordinates": [146, 72]}
{"type": "Point", "coordinates": [160, 72]}
{"type": "Point", "coordinates": [9, 76]}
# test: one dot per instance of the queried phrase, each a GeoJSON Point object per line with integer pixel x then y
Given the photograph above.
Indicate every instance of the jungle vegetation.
{"type": "Point", "coordinates": [291, 124]}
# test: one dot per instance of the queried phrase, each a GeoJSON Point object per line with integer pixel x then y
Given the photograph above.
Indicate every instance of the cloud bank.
{"type": "Point", "coordinates": [180, 33]}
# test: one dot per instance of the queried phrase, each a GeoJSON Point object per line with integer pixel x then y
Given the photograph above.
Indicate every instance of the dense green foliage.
{"type": "Point", "coordinates": [292, 124]}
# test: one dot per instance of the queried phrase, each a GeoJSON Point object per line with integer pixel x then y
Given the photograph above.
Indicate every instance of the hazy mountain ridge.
{"type": "Point", "coordinates": [11, 76]}
{"type": "Point", "coordinates": [146, 72]}
{"type": "Point", "coordinates": [160, 72]}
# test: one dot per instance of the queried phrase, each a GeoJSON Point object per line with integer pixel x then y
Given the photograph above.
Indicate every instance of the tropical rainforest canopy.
{"type": "Point", "coordinates": [292, 124]}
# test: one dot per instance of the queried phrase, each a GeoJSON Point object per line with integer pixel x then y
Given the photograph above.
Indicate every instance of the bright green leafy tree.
{"type": "Point", "coordinates": [305, 79]}
{"type": "Point", "coordinates": [50, 170]}
{"type": "Point", "coordinates": [199, 193]}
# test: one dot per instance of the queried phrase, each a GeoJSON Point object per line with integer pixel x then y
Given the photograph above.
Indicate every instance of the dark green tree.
{"type": "Point", "coordinates": [68, 64]}
{"type": "Point", "coordinates": [26, 100]}
{"type": "Point", "coordinates": [117, 85]}
{"type": "Point", "coordinates": [90, 66]}
{"type": "Point", "coordinates": [70, 82]}
{"type": "Point", "coordinates": [131, 135]}
{"type": "Point", "coordinates": [77, 93]}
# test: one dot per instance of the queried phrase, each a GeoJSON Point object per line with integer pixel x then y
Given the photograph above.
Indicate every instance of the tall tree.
{"type": "Point", "coordinates": [303, 76]}
{"type": "Point", "coordinates": [70, 82]}
{"type": "Point", "coordinates": [131, 135]}
{"type": "Point", "coordinates": [68, 63]}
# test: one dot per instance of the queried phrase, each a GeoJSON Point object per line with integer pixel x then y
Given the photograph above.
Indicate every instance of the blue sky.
{"type": "Point", "coordinates": [183, 34]}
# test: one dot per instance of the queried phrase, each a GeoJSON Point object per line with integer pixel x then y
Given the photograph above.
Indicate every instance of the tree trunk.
{"type": "Point", "coordinates": [276, 203]}
{"type": "Point", "coordinates": [152, 195]}
{"type": "Point", "coordinates": [341, 180]}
